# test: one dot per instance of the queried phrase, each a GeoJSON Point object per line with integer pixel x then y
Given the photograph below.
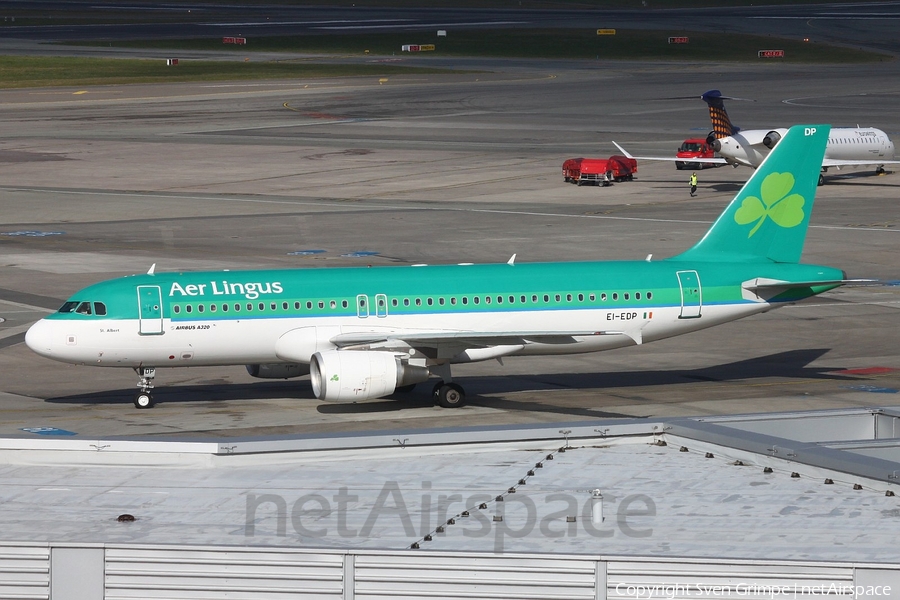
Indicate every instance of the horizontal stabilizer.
{"type": "Point", "coordinates": [761, 283]}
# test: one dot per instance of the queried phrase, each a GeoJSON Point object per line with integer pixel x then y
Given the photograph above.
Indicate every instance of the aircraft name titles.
{"type": "Point", "coordinates": [251, 290]}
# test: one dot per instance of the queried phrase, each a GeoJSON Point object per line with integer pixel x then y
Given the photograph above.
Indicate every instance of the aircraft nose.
{"type": "Point", "coordinates": [40, 338]}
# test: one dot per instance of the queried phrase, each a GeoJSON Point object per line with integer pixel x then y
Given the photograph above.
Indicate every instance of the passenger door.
{"type": "Point", "coordinates": [150, 310]}
{"type": "Point", "coordinates": [691, 294]}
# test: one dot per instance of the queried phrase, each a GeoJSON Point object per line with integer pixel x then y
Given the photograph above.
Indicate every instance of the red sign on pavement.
{"type": "Point", "coordinates": [771, 54]}
{"type": "Point", "coordinates": [678, 40]}
{"type": "Point", "coordinates": [234, 40]}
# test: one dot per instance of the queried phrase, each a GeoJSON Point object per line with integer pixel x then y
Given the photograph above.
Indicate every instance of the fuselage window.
{"type": "Point", "coordinates": [332, 304]}
{"type": "Point", "coordinates": [284, 306]}
{"type": "Point", "coordinates": [188, 308]}
{"type": "Point", "coordinates": [615, 296]}
{"type": "Point", "coordinates": [322, 304]}
{"type": "Point", "coordinates": [592, 297]}
{"type": "Point", "coordinates": [249, 306]}
{"type": "Point", "coordinates": [394, 302]}
{"type": "Point", "coordinates": [546, 298]}
{"type": "Point", "coordinates": [99, 309]}
{"type": "Point", "coordinates": [296, 306]}
{"type": "Point", "coordinates": [237, 307]}
{"type": "Point", "coordinates": [418, 302]}
{"type": "Point", "coordinates": [499, 299]}
{"type": "Point", "coordinates": [176, 309]}
{"type": "Point", "coordinates": [453, 300]}
{"type": "Point", "coordinates": [68, 307]}
{"type": "Point", "coordinates": [487, 299]}
{"type": "Point", "coordinates": [406, 302]}
{"type": "Point", "coordinates": [344, 304]}
{"type": "Point", "coordinates": [441, 301]}
{"type": "Point", "coordinates": [273, 306]}
{"type": "Point", "coordinates": [557, 297]}
{"type": "Point", "coordinates": [200, 308]}
{"type": "Point", "coordinates": [534, 299]}
{"type": "Point", "coordinates": [649, 295]}
{"type": "Point", "coordinates": [262, 306]}
{"type": "Point", "coordinates": [522, 299]}
{"type": "Point", "coordinates": [465, 299]}
{"type": "Point", "coordinates": [626, 295]}
{"type": "Point", "coordinates": [637, 295]}
{"type": "Point", "coordinates": [84, 308]}
{"type": "Point", "coordinates": [212, 308]}
{"type": "Point", "coordinates": [224, 308]}
{"type": "Point", "coordinates": [430, 301]}
{"type": "Point", "coordinates": [581, 297]}
{"type": "Point", "coordinates": [308, 305]}
{"type": "Point", "coordinates": [475, 300]}
{"type": "Point", "coordinates": [568, 297]}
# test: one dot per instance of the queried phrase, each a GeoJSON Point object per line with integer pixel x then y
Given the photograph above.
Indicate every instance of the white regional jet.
{"type": "Point", "coordinates": [847, 146]}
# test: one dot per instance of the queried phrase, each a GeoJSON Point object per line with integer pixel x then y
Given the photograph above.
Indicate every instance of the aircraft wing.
{"type": "Point", "coordinates": [469, 339]}
{"type": "Point", "coordinates": [710, 161]}
{"type": "Point", "coordinates": [831, 162]}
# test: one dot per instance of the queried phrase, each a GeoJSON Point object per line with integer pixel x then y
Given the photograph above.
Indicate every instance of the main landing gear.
{"type": "Point", "coordinates": [449, 395]}
{"type": "Point", "coordinates": [144, 399]}
{"type": "Point", "coordinates": [446, 393]}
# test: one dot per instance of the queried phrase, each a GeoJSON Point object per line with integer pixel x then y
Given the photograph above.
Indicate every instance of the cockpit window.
{"type": "Point", "coordinates": [84, 308]}
{"type": "Point", "coordinates": [69, 306]}
{"type": "Point", "coordinates": [99, 309]}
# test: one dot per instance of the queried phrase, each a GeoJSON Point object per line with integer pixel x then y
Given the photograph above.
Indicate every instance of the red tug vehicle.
{"type": "Point", "coordinates": [694, 148]}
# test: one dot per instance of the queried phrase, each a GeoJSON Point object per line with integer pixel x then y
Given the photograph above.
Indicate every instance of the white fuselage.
{"type": "Point", "coordinates": [864, 145]}
{"type": "Point", "coordinates": [207, 342]}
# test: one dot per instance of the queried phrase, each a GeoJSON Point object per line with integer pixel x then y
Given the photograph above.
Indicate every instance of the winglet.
{"type": "Point", "coordinates": [512, 260]}
{"type": "Point", "coordinates": [152, 269]}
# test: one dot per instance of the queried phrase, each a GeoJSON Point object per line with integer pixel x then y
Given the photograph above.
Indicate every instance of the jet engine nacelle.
{"type": "Point", "coordinates": [277, 371]}
{"type": "Point", "coordinates": [713, 142]}
{"type": "Point", "coordinates": [771, 139]}
{"type": "Point", "coordinates": [350, 375]}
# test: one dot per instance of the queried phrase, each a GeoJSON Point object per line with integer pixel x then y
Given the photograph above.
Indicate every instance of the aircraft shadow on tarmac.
{"type": "Point", "coordinates": [793, 364]}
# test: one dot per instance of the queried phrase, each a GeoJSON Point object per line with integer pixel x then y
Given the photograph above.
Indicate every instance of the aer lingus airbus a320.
{"type": "Point", "coordinates": [368, 332]}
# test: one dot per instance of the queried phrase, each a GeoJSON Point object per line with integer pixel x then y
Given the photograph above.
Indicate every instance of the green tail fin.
{"type": "Point", "coordinates": [768, 219]}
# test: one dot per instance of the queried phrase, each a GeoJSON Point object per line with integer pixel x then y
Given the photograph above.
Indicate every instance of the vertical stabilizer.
{"type": "Point", "coordinates": [721, 124]}
{"type": "Point", "coordinates": [768, 219]}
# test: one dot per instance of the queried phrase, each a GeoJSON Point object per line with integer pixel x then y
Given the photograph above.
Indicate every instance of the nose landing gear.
{"type": "Point", "coordinates": [144, 399]}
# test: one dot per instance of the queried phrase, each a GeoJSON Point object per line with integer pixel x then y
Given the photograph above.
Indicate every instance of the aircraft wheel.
{"type": "Point", "coordinates": [821, 179]}
{"type": "Point", "coordinates": [879, 171]}
{"type": "Point", "coordinates": [451, 395]}
{"type": "Point", "coordinates": [143, 400]}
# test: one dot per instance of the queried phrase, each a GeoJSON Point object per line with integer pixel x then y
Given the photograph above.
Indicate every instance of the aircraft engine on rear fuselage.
{"type": "Point", "coordinates": [771, 139]}
{"type": "Point", "coordinates": [351, 375]}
